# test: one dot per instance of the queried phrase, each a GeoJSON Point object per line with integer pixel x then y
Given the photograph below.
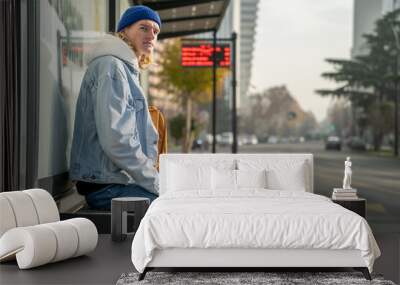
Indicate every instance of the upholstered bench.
{"type": "Point", "coordinates": [101, 218]}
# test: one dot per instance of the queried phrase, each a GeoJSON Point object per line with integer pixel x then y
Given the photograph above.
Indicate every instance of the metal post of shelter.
{"type": "Point", "coordinates": [396, 105]}
{"type": "Point", "coordinates": [234, 115]}
{"type": "Point", "coordinates": [396, 89]}
{"type": "Point", "coordinates": [214, 95]}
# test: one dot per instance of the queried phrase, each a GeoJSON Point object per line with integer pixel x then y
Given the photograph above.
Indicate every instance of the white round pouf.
{"type": "Point", "coordinates": [32, 246]}
{"type": "Point", "coordinates": [23, 208]}
{"type": "Point", "coordinates": [7, 218]}
{"type": "Point", "coordinates": [45, 206]}
{"type": "Point", "coordinates": [67, 240]}
{"type": "Point", "coordinates": [37, 245]}
{"type": "Point", "coordinates": [87, 235]}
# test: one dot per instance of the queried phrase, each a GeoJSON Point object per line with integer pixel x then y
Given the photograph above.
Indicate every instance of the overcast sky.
{"type": "Point", "coordinates": [292, 40]}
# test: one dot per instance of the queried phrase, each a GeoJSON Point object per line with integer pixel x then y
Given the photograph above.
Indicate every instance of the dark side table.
{"type": "Point", "coordinates": [358, 206]}
{"type": "Point", "coordinates": [119, 212]}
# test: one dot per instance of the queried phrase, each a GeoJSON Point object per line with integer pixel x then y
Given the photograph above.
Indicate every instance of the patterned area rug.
{"type": "Point", "coordinates": [242, 278]}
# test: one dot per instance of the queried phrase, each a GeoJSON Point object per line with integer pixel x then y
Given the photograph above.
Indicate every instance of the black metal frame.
{"type": "Point", "coordinates": [234, 85]}
{"type": "Point", "coordinates": [364, 270]}
{"type": "Point", "coordinates": [214, 95]}
{"type": "Point", "coordinates": [396, 90]}
{"type": "Point", "coordinates": [111, 15]}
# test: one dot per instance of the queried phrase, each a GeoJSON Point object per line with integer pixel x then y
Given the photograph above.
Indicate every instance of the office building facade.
{"type": "Point", "coordinates": [366, 13]}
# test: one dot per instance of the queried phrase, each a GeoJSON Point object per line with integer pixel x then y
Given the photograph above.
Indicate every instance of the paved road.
{"type": "Point", "coordinates": [377, 178]}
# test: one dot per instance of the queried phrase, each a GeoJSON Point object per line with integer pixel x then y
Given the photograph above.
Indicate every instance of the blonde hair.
{"type": "Point", "coordinates": [145, 60]}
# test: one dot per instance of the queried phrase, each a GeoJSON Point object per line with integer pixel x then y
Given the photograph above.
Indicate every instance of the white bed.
{"type": "Point", "coordinates": [247, 210]}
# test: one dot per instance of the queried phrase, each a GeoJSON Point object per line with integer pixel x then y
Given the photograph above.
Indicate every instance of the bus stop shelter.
{"type": "Point", "coordinates": [184, 18]}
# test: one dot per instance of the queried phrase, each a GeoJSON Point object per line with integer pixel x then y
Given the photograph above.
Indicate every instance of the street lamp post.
{"type": "Point", "coordinates": [397, 91]}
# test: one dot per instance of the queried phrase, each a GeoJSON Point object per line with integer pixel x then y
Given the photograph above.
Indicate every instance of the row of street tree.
{"type": "Point", "coordinates": [371, 81]}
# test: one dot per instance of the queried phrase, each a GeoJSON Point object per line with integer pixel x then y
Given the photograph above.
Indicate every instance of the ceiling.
{"type": "Point", "coordinates": [187, 17]}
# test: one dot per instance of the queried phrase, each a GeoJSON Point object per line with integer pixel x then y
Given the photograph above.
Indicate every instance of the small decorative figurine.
{"type": "Point", "coordinates": [347, 174]}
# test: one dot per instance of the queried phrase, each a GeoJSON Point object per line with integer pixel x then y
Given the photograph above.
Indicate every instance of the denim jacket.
{"type": "Point", "coordinates": [114, 138]}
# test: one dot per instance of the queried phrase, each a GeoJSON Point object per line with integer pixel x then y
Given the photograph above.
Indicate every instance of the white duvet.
{"type": "Point", "coordinates": [250, 219]}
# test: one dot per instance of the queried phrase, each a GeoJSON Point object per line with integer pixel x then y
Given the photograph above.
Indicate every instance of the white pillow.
{"type": "Point", "coordinates": [251, 178]}
{"type": "Point", "coordinates": [230, 180]}
{"type": "Point", "coordinates": [188, 177]}
{"type": "Point", "coordinates": [282, 174]}
{"type": "Point", "coordinates": [292, 178]}
{"type": "Point", "coordinates": [223, 179]}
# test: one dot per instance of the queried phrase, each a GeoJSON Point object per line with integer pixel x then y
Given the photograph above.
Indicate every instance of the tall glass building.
{"type": "Point", "coordinates": [248, 22]}
{"type": "Point", "coordinates": [241, 17]}
{"type": "Point", "coordinates": [366, 12]}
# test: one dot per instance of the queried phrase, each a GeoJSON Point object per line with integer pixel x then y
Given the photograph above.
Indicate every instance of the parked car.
{"type": "Point", "coordinates": [253, 139]}
{"type": "Point", "coordinates": [357, 143]}
{"type": "Point", "coordinates": [247, 140]}
{"type": "Point", "coordinates": [241, 140]}
{"type": "Point", "coordinates": [273, 139]}
{"type": "Point", "coordinates": [226, 139]}
{"type": "Point", "coordinates": [202, 142]}
{"type": "Point", "coordinates": [333, 142]}
{"type": "Point", "coordinates": [198, 144]}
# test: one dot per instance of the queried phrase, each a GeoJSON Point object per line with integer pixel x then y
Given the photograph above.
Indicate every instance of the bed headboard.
{"type": "Point", "coordinates": [212, 159]}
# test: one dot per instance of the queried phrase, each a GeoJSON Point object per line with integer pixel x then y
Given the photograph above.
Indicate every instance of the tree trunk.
{"type": "Point", "coordinates": [378, 136]}
{"type": "Point", "coordinates": [187, 142]}
{"type": "Point", "coordinates": [377, 127]}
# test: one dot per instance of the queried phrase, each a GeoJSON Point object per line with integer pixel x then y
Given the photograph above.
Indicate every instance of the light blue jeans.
{"type": "Point", "coordinates": [101, 199]}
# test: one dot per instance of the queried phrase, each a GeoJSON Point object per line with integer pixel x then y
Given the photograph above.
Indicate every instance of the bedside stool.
{"type": "Point", "coordinates": [119, 212]}
{"type": "Point", "coordinates": [358, 206]}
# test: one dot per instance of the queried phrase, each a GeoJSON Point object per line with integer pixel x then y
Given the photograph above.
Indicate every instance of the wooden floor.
{"type": "Point", "coordinates": [111, 259]}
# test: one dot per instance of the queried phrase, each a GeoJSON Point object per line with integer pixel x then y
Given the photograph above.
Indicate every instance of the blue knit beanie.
{"type": "Point", "coordinates": [137, 13]}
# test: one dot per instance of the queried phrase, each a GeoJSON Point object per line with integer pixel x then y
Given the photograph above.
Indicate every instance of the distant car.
{"type": "Point", "coordinates": [357, 143]}
{"type": "Point", "coordinates": [284, 140]}
{"type": "Point", "coordinates": [203, 142]}
{"type": "Point", "coordinates": [198, 144]}
{"type": "Point", "coordinates": [253, 139]}
{"type": "Point", "coordinates": [247, 139]}
{"type": "Point", "coordinates": [273, 140]}
{"type": "Point", "coordinates": [333, 142]}
{"type": "Point", "coordinates": [241, 140]}
{"type": "Point", "coordinates": [226, 139]}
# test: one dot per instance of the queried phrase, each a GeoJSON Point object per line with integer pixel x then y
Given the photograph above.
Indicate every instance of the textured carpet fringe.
{"type": "Point", "coordinates": [244, 278]}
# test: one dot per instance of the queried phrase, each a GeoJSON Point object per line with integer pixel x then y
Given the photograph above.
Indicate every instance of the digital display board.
{"type": "Point", "coordinates": [201, 55]}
